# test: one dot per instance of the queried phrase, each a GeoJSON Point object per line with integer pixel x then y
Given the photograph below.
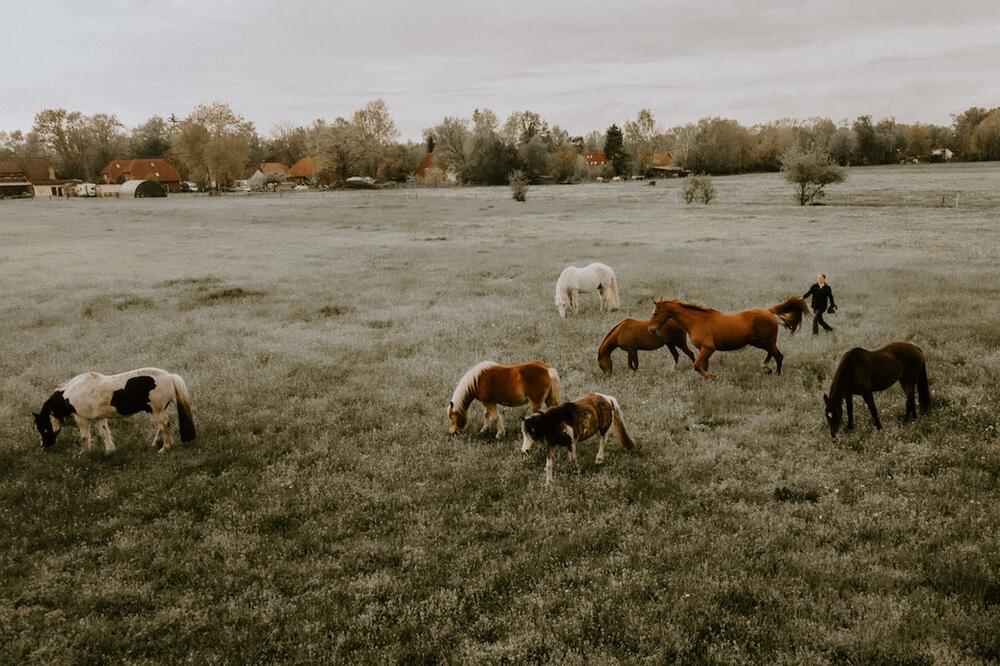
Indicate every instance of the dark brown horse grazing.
{"type": "Point", "coordinates": [711, 330]}
{"type": "Point", "coordinates": [633, 335]}
{"type": "Point", "coordinates": [862, 372]}
{"type": "Point", "coordinates": [509, 385]}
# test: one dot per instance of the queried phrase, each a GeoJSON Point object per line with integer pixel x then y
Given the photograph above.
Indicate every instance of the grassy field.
{"type": "Point", "coordinates": [325, 515]}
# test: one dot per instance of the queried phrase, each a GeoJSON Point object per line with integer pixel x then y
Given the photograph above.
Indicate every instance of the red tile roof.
{"type": "Point", "coordinates": [36, 169]}
{"type": "Point", "coordinates": [273, 167]}
{"type": "Point", "coordinates": [157, 170]}
{"type": "Point", "coordinates": [425, 164]}
{"type": "Point", "coordinates": [664, 158]}
{"type": "Point", "coordinates": [596, 158]}
{"type": "Point", "coordinates": [307, 167]}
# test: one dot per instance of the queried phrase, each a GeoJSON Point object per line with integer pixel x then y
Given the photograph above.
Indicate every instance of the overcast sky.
{"type": "Point", "coordinates": [582, 65]}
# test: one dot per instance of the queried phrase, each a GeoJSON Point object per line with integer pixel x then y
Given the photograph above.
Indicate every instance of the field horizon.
{"type": "Point", "coordinates": [325, 514]}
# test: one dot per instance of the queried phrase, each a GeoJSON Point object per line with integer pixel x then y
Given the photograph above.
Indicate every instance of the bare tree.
{"type": "Point", "coordinates": [213, 144]}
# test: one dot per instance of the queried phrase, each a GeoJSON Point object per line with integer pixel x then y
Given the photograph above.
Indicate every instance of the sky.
{"type": "Point", "coordinates": [582, 65]}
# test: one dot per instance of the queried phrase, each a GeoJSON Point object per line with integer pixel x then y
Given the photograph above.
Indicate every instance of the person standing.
{"type": "Point", "coordinates": [822, 301]}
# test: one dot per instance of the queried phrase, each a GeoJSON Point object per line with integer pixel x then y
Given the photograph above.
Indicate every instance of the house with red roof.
{"type": "Point", "coordinates": [157, 170]}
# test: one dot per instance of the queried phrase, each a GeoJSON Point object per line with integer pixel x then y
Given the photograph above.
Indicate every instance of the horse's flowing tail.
{"type": "Point", "coordinates": [790, 311]}
{"type": "Point", "coordinates": [608, 345]}
{"type": "Point", "coordinates": [184, 417]}
{"type": "Point", "coordinates": [614, 302]}
{"type": "Point", "coordinates": [923, 390]}
{"type": "Point", "coordinates": [554, 388]}
{"type": "Point", "coordinates": [619, 424]}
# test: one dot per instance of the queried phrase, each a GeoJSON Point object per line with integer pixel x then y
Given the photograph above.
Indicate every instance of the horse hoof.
{"type": "Point", "coordinates": [767, 371]}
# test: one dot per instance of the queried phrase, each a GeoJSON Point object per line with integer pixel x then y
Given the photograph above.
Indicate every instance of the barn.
{"type": "Point", "coordinates": [14, 184]}
{"type": "Point", "coordinates": [141, 189]}
{"type": "Point", "coordinates": [37, 171]}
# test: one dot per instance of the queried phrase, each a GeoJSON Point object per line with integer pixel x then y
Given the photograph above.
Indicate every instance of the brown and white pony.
{"type": "Point", "coordinates": [509, 385]}
{"type": "Point", "coordinates": [571, 422]}
{"type": "Point", "coordinates": [633, 335]}
{"type": "Point", "coordinates": [92, 399]}
{"type": "Point", "coordinates": [711, 330]}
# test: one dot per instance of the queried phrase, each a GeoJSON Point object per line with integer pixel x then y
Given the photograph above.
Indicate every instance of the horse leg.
{"type": "Point", "coordinates": [105, 432]}
{"type": "Point", "coordinates": [84, 425]}
{"type": "Point", "coordinates": [850, 412]}
{"type": "Point", "coordinates": [673, 352]}
{"type": "Point", "coordinates": [549, 464]}
{"type": "Point", "coordinates": [163, 421]}
{"type": "Point", "coordinates": [574, 298]}
{"type": "Point", "coordinates": [633, 360]}
{"type": "Point", "coordinates": [870, 401]}
{"type": "Point", "coordinates": [599, 460]}
{"type": "Point", "coordinates": [500, 429]}
{"type": "Point", "coordinates": [778, 356]}
{"type": "Point", "coordinates": [687, 352]}
{"type": "Point", "coordinates": [767, 359]}
{"type": "Point", "coordinates": [572, 456]}
{"type": "Point", "coordinates": [911, 400]}
{"type": "Point", "coordinates": [490, 410]}
{"type": "Point", "coordinates": [701, 363]}
{"type": "Point", "coordinates": [601, 294]}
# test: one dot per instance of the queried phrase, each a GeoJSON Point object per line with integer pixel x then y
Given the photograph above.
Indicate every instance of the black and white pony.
{"type": "Point", "coordinates": [92, 399]}
{"type": "Point", "coordinates": [570, 422]}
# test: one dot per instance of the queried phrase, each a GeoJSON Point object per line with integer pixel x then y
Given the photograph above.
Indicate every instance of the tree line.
{"type": "Point", "coordinates": [215, 144]}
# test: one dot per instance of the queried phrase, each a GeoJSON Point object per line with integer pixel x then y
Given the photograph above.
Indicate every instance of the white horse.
{"type": "Point", "coordinates": [92, 398]}
{"type": "Point", "coordinates": [574, 280]}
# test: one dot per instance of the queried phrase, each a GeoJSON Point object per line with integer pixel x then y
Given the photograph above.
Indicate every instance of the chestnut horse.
{"type": "Point", "coordinates": [862, 372]}
{"type": "Point", "coordinates": [711, 330]}
{"type": "Point", "coordinates": [509, 385]}
{"type": "Point", "coordinates": [633, 335]}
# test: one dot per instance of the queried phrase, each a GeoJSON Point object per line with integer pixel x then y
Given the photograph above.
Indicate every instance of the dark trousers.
{"type": "Point", "coordinates": [818, 321]}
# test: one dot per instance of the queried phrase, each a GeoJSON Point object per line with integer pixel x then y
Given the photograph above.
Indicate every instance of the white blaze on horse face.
{"type": "Point", "coordinates": [526, 442]}
{"type": "Point", "coordinates": [56, 424]}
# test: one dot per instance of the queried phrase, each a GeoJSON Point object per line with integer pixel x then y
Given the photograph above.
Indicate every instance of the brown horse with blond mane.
{"type": "Point", "coordinates": [711, 330]}
{"type": "Point", "coordinates": [509, 385]}
{"type": "Point", "coordinates": [634, 335]}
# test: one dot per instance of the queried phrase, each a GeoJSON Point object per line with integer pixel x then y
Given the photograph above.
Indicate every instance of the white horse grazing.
{"type": "Point", "coordinates": [574, 280]}
{"type": "Point", "coordinates": [92, 398]}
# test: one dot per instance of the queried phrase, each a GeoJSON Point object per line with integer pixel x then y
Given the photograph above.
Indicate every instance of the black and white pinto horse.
{"type": "Point", "coordinates": [92, 399]}
{"type": "Point", "coordinates": [570, 422]}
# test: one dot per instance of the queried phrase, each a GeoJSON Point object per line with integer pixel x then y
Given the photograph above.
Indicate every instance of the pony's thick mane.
{"type": "Point", "coordinates": [608, 336]}
{"type": "Point", "coordinates": [466, 388]}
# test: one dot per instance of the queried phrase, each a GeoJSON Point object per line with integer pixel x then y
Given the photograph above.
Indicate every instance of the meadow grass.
{"type": "Point", "coordinates": [325, 515]}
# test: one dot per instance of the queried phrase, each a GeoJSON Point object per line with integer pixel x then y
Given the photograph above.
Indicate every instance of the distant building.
{"type": "Point", "coordinates": [425, 165]}
{"type": "Point", "coordinates": [943, 154]}
{"type": "Point", "coordinates": [37, 171]}
{"type": "Point", "coordinates": [273, 168]}
{"type": "Point", "coordinates": [305, 170]}
{"type": "Point", "coordinates": [596, 158]}
{"type": "Point", "coordinates": [661, 159]}
{"type": "Point", "coordinates": [156, 170]}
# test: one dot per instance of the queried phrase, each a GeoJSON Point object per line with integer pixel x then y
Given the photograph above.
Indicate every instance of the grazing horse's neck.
{"type": "Point", "coordinates": [840, 377]}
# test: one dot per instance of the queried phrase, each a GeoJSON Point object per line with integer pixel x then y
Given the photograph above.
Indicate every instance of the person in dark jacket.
{"type": "Point", "coordinates": [822, 301]}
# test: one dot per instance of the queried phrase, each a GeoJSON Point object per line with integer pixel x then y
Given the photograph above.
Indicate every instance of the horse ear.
{"type": "Point", "coordinates": [451, 404]}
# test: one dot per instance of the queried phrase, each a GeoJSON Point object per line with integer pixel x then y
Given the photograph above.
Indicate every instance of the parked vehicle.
{"type": "Point", "coordinates": [86, 190]}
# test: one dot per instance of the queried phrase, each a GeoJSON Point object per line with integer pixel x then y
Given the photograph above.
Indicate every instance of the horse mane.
{"type": "Point", "coordinates": [693, 306]}
{"type": "Point", "coordinates": [467, 385]}
{"type": "Point", "coordinates": [845, 364]}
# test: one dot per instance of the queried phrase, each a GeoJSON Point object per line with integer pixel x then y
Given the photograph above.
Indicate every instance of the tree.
{"type": "Point", "coordinates": [641, 138]}
{"type": "Point", "coordinates": [375, 132]}
{"type": "Point", "coordinates": [721, 146]}
{"type": "Point", "coordinates": [614, 150]}
{"type": "Point", "coordinates": [452, 143]}
{"type": "Point", "coordinates": [866, 148]}
{"type": "Point", "coordinates": [987, 136]}
{"type": "Point", "coordinates": [105, 141]}
{"type": "Point", "coordinates": [523, 126]}
{"type": "Point", "coordinates": [964, 126]}
{"type": "Point", "coordinates": [810, 172]}
{"type": "Point", "coordinates": [19, 144]}
{"type": "Point", "coordinates": [213, 144]}
{"type": "Point", "coordinates": [150, 139]}
{"type": "Point", "coordinates": [288, 144]}
{"type": "Point", "coordinates": [340, 149]}
{"type": "Point", "coordinates": [64, 134]}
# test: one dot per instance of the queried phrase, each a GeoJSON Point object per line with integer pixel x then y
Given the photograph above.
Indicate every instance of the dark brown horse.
{"type": "Point", "coordinates": [862, 372]}
{"type": "Point", "coordinates": [711, 330]}
{"type": "Point", "coordinates": [634, 335]}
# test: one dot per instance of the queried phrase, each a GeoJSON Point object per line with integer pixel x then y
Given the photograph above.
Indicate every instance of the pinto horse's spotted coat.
{"type": "Point", "coordinates": [92, 399]}
{"type": "Point", "coordinates": [571, 422]}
